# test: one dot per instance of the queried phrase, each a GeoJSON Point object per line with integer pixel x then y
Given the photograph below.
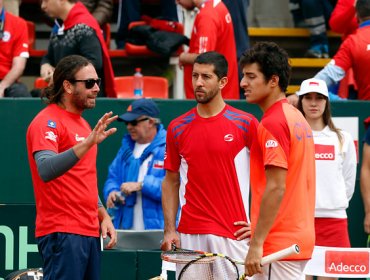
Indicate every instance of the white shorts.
{"type": "Point", "coordinates": [215, 244]}
{"type": "Point", "coordinates": [290, 270]}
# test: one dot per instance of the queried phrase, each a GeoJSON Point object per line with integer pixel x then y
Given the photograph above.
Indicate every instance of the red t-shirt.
{"type": "Point", "coordinates": [355, 52]}
{"type": "Point", "coordinates": [213, 31]}
{"type": "Point", "coordinates": [212, 156]}
{"type": "Point", "coordinates": [285, 140]}
{"type": "Point", "coordinates": [14, 42]}
{"type": "Point", "coordinates": [68, 203]}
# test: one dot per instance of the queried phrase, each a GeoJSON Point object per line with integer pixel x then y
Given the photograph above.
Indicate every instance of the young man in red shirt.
{"type": "Point", "coordinates": [282, 168]}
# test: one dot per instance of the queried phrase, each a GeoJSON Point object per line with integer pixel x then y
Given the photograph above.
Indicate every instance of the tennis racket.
{"type": "Point", "coordinates": [204, 265]}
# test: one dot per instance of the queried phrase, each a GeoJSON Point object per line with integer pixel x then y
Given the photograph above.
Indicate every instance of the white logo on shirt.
{"type": "Point", "coordinates": [229, 137]}
{"type": "Point", "coordinates": [51, 136]}
{"type": "Point", "coordinates": [6, 36]}
{"type": "Point", "coordinates": [78, 138]}
{"type": "Point", "coordinates": [271, 144]}
{"type": "Point", "coordinates": [368, 47]}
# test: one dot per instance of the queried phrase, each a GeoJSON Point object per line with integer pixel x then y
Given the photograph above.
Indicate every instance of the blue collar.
{"type": "Point", "coordinates": [2, 15]}
{"type": "Point", "coordinates": [365, 23]}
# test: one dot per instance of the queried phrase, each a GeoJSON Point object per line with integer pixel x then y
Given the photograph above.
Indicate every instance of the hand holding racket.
{"type": "Point", "coordinates": [294, 249]}
{"type": "Point", "coordinates": [204, 265]}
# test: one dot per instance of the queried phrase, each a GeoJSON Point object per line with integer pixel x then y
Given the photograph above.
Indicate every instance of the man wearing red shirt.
{"type": "Point", "coordinates": [207, 168]}
{"type": "Point", "coordinates": [62, 151]}
{"type": "Point", "coordinates": [13, 54]}
{"type": "Point", "coordinates": [212, 31]}
{"type": "Point", "coordinates": [282, 168]}
{"type": "Point", "coordinates": [353, 52]}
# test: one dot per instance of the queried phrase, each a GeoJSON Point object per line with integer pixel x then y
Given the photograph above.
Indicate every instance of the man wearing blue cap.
{"type": "Point", "coordinates": [133, 188]}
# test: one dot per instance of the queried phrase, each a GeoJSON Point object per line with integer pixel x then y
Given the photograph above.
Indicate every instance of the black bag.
{"type": "Point", "coordinates": [26, 274]}
{"type": "Point", "coordinates": [138, 35]}
{"type": "Point", "coordinates": [165, 43]}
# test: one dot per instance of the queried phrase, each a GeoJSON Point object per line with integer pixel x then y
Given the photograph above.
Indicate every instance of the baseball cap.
{"type": "Point", "coordinates": [313, 85]}
{"type": "Point", "coordinates": [140, 107]}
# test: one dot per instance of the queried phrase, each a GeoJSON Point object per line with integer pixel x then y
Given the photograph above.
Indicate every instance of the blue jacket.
{"type": "Point", "coordinates": [125, 168]}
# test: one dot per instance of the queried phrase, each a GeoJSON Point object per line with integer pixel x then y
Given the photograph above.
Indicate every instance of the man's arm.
{"type": "Point", "coordinates": [18, 65]}
{"type": "Point", "coordinates": [270, 204]}
{"type": "Point", "coordinates": [170, 204]}
{"type": "Point", "coordinates": [365, 185]}
{"type": "Point", "coordinates": [187, 58]}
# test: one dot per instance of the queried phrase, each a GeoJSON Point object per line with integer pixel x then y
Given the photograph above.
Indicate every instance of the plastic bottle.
{"type": "Point", "coordinates": [138, 83]}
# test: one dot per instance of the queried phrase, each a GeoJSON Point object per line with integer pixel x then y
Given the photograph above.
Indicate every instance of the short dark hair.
{"type": "Point", "coordinates": [271, 60]}
{"type": "Point", "coordinates": [66, 69]}
{"type": "Point", "coordinates": [363, 8]}
{"type": "Point", "coordinates": [217, 60]}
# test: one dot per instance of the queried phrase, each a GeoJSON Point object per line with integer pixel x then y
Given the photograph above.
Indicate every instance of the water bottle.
{"type": "Point", "coordinates": [138, 83]}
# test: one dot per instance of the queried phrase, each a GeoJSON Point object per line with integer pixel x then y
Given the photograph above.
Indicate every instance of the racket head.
{"type": "Point", "coordinates": [180, 256]}
{"type": "Point", "coordinates": [210, 266]}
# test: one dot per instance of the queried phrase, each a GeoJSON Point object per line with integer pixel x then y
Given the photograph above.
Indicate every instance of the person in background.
{"type": "Point", "coordinates": [343, 20]}
{"type": "Point", "coordinates": [353, 52]}
{"type": "Point", "coordinates": [100, 9]}
{"type": "Point", "coordinates": [336, 163]}
{"type": "Point", "coordinates": [13, 54]}
{"type": "Point", "coordinates": [133, 190]}
{"type": "Point", "coordinates": [314, 15]}
{"type": "Point", "coordinates": [238, 12]}
{"type": "Point", "coordinates": [212, 28]}
{"type": "Point", "coordinates": [282, 168]}
{"type": "Point", "coordinates": [76, 32]}
{"type": "Point", "coordinates": [365, 177]}
{"type": "Point", "coordinates": [62, 150]}
{"type": "Point", "coordinates": [207, 168]}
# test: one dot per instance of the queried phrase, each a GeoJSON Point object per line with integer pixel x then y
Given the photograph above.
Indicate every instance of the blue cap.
{"type": "Point", "coordinates": [140, 107]}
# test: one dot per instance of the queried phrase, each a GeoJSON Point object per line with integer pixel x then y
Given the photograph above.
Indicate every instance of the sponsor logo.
{"type": "Point", "coordinates": [346, 262]}
{"type": "Point", "coordinates": [51, 136]}
{"type": "Point", "coordinates": [271, 144]}
{"type": "Point", "coordinates": [52, 124]}
{"type": "Point", "coordinates": [324, 152]}
{"type": "Point", "coordinates": [6, 36]}
{"type": "Point", "coordinates": [229, 137]}
{"type": "Point", "coordinates": [158, 164]}
{"type": "Point", "coordinates": [228, 18]}
{"type": "Point", "coordinates": [79, 138]}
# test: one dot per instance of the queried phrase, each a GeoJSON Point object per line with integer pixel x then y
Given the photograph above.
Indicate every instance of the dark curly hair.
{"type": "Point", "coordinates": [271, 60]}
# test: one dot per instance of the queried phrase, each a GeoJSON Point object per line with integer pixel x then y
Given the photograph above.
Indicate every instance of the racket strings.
{"type": "Point", "coordinates": [210, 268]}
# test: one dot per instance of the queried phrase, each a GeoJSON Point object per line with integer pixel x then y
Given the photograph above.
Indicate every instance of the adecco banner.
{"type": "Point", "coordinates": [349, 124]}
{"type": "Point", "coordinates": [339, 262]}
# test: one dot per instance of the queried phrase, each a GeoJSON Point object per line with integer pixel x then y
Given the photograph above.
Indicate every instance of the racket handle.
{"type": "Point", "coordinates": [294, 249]}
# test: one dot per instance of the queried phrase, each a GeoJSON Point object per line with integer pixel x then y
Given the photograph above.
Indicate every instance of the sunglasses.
{"type": "Point", "coordinates": [135, 122]}
{"type": "Point", "coordinates": [89, 83]}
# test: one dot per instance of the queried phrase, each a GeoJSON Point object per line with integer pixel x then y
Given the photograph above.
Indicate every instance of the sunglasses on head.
{"type": "Point", "coordinates": [89, 83]}
{"type": "Point", "coordinates": [135, 122]}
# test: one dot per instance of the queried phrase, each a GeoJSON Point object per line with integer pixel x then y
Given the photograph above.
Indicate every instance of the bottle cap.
{"type": "Point", "coordinates": [138, 69]}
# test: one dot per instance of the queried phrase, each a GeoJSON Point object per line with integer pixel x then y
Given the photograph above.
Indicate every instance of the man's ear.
{"type": "Point", "coordinates": [67, 86]}
{"type": "Point", "coordinates": [222, 83]}
{"type": "Point", "coordinates": [274, 81]}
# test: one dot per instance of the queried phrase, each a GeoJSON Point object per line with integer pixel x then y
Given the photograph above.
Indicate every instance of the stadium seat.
{"type": "Point", "coordinates": [40, 83]}
{"type": "Point", "coordinates": [155, 87]}
{"type": "Point", "coordinates": [32, 40]}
